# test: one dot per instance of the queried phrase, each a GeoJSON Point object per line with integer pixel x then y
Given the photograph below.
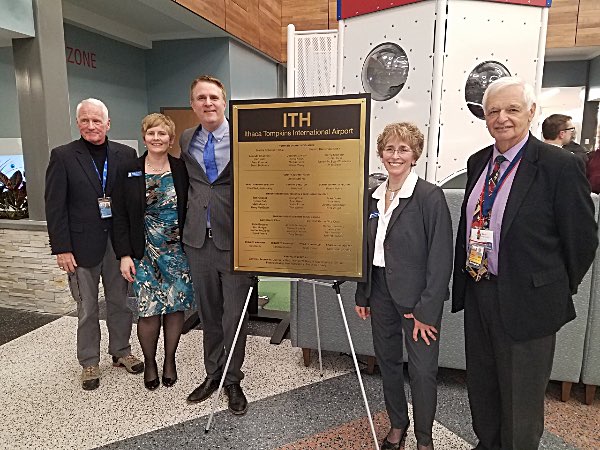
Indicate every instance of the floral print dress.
{"type": "Point", "coordinates": [162, 280]}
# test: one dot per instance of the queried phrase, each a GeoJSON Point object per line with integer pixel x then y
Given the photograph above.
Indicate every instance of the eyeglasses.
{"type": "Point", "coordinates": [398, 151]}
{"type": "Point", "coordinates": [569, 129]}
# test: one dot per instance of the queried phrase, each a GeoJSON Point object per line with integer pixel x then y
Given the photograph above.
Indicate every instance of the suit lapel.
{"type": "Point", "coordinates": [186, 150]}
{"type": "Point", "coordinates": [401, 205]}
{"type": "Point", "coordinates": [114, 158]}
{"type": "Point", "coordinates": [478, 168]}
{"type": "Point", "coordinates": [522, 182]}
{"type": "Point", "coordinates": [87, 164]}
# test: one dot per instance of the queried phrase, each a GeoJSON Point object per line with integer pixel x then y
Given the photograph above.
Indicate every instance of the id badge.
{"type": "Point", "coordinates": [104, 204]}
{"type": "Point", "coordinates": [476, 253]}
{"type": "Point", "coordinates": [485, 238]}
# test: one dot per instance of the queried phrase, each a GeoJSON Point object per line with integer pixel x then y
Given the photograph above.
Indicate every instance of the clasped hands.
{"type": "Point", "coordinates": [425, 331]}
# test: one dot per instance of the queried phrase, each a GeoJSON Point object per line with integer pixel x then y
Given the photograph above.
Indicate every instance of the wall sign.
{"type": "Point", "coordinates": [80, 57]}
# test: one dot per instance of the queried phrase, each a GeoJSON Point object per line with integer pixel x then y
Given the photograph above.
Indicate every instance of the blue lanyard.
{"type": "Point", "coordinates": [488, 200]}
{"type": "Point", "coordinates": [104, 173]}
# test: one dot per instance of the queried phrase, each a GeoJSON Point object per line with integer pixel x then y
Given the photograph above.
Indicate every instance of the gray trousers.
{"type": "Point", "coordinates": [506, 379]}
{"type": "Point", "coordinates": [220, 297]}
{"type": "Point", "coordinates": [390, 330]}
{"type": "Point", "coordinates": [84, 288]}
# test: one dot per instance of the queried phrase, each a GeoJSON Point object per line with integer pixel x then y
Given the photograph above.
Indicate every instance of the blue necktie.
{"type": "Point", "coordinates": [210, 163]}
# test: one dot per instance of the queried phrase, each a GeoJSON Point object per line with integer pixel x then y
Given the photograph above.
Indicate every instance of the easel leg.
{"type": "Point", "coordinates": [336, 286]}
{"type": "Point", "coordinates": [317, 326]}
{"type": "Point", "coordinates": [235, 338]}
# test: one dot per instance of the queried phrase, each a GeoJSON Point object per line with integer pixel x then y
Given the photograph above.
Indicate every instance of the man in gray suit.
{"type": "Point", "coordinates": [220, 294]}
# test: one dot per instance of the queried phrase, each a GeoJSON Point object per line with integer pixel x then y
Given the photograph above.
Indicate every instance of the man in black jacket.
{"type": "Point", "coordinates": [79, 181]}
{"type": "Point", "coordinates": [526, 237]}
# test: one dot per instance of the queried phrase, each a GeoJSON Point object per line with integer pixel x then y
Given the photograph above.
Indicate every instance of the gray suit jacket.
{"type": "Point", "coordinates": [418, 253]}
{"type": "Point", "coordinates": [201, 194]}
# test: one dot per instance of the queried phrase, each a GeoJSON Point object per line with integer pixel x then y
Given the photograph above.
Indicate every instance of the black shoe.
{"type": "Point", "coordinates": [168, 382]}
{"type": "Point", "coordinates": [203, 391]}
{"type": "Point", "coordinates": [387, 445]}
{"type": "Point", "coordinates": [152, 384]}
{"type": "Point", "coordinates": [238, 404]}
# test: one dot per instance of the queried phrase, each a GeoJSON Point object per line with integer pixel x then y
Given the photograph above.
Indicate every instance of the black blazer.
{"type": "Point", "coordinates": [72, 192]}
{"type": "Point", "coordinates": [129, 205]}
{"type": "Point", "coordinates": [418, 253]}
{"type": "Point", "coordinates": [548, 240]}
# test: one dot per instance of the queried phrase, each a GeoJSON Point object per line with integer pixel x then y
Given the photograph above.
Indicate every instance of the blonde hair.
{"type": "Point", "coordinates": [406, 132]}
{"type": "Point", "coordinates": [155, 120]}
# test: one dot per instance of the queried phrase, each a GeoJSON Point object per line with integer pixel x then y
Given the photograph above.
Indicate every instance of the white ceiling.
{"type": "Point", "coordinates": [571, 53]}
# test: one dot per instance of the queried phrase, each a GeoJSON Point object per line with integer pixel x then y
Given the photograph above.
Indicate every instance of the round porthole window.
{"type": "Point", "coordinates": [478, 81]}
{"type": "Point", "coordinates": [385, 71]}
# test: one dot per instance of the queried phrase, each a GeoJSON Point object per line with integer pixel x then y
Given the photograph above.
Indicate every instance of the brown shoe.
{"type": "Point", "coordinates": [90, 378]}
{"type": "Point", "coordinates": [130, 362]}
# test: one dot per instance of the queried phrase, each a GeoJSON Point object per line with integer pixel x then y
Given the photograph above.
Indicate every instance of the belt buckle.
{"type": "Point", "coordinates": [209, 232]}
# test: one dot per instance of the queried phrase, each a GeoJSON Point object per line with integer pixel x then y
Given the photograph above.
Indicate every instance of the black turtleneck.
{"type": "Point", "coordinates": [98, 153]}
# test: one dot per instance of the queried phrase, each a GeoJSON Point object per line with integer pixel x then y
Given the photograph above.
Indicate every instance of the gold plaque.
{"type": "Point", "coordinates": [299, 183]}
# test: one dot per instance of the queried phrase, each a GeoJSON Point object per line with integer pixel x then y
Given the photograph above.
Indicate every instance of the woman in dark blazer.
{"type": "Point", "coordinates": [149, 203]}
{"type": "Point", "coordinates": [410, 262]}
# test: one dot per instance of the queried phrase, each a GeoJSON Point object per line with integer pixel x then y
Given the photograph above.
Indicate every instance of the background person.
{"type": "Point", "coordinates": [410, 261]}
{"type": "Point", "coordinates": [220, 294]}
{"type": "Point", "coordinates": [558, 129]}
{"type": "Point", "coordinates": [79, 183]}
{"type": "Point", "coordinates": [526, 237]}
{"type": "Point", "coordinates": [150, 205]}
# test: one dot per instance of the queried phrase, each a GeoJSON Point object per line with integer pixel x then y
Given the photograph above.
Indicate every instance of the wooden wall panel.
{"type": "Point", "coordinates": [241, 20]}
{"type": "Point", "coordinates": [588, 25]}
{"type": "Point", "coordinates": [333, 23]}
{"type": "Point", "coordinates": [212, 10]}
{"type": "Point", "coordinates": [269, 14]}
{"type": "Point", "coordinates": [305, 15]}
{"type": "Point", "coordinates": [562, 23]}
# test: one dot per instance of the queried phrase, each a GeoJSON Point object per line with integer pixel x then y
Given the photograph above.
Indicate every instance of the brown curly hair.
{"type": "Point", "coordinates": [406, 132]}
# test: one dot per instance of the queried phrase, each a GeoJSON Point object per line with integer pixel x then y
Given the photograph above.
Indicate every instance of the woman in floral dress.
{"type": "Point", "coordinates": [149, 212]}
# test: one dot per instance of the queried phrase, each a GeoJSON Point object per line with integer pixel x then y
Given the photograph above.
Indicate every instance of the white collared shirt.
{"type": "Point", "coordinates": [406, 191]}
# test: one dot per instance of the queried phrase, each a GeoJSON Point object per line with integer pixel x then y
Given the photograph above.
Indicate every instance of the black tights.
{"type": "Point", "coordinates": [148, 330]}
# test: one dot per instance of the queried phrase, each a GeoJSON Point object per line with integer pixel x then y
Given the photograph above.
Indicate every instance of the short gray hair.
{"type": "Point", "coordinates": [505, 82]}
{"type": "Point", "coordinates": [95, 102]}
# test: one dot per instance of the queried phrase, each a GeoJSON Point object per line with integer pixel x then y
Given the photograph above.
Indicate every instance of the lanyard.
{"type": "Point", "coordinates": [488, 200]}
{"type": "Point", "coordinates": [104, 173]}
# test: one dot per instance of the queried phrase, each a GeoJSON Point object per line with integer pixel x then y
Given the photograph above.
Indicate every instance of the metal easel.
{"type": "Point", "coordinates": [336, 287]}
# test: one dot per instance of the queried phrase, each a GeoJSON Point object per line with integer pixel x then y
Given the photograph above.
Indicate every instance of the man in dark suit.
{"type": "Point", "coordinates": [79, 182]}
{"type": "Point", "coordinates": [526, 237]}
{"type": "Point", "coordinates": [207, 238]}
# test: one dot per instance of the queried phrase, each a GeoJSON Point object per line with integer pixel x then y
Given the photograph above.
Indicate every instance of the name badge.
{"type": "Point", "coordinates": [476, 253]}
{"type": "Point", "coordinates": [137, 173]}
{"type": "Point", "coordinates": [484, 238]}
{"type": "Point", "coordinates": [105, 206]}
